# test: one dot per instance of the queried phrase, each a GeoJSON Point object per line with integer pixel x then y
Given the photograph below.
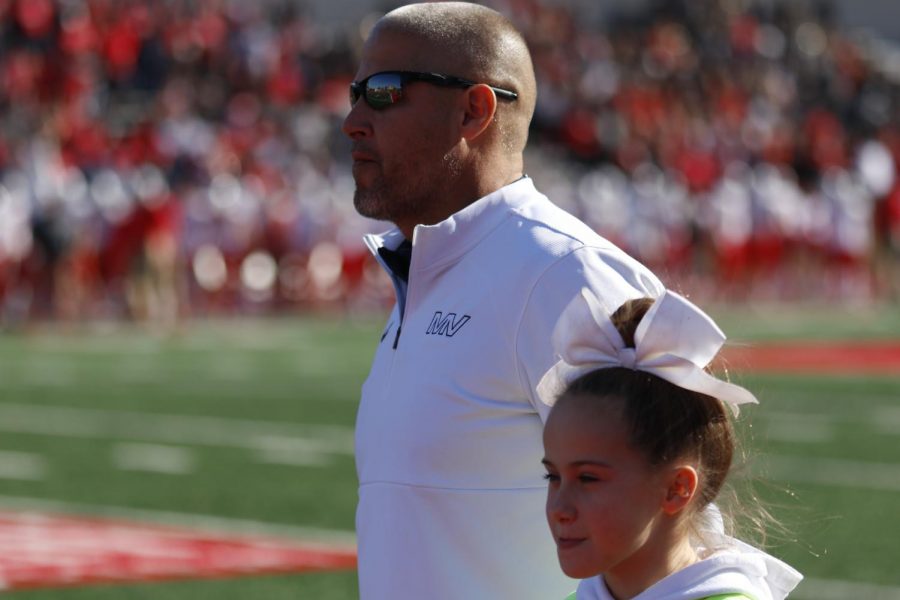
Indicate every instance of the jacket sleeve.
{"type": "Point", "coordinates": [609, 272]}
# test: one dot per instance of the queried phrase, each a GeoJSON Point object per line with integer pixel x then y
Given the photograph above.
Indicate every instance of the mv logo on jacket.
{"type": "Point", "coordinates": [447, 325]}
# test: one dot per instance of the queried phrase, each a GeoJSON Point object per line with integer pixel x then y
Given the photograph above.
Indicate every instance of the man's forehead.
{"type": "Point", "coordinates": [389, 50]}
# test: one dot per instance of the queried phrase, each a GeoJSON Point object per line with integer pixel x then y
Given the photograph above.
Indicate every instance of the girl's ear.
{"type": "Point", "coordinates": [682, 485]}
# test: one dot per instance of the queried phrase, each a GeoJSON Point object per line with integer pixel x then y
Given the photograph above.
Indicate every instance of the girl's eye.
{"type": "Point", "coordinates": [551, 477]}
{"type": "Point", "coordinates": [587, 478]}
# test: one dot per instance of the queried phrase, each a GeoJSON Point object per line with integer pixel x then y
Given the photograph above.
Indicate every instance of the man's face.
{"type": "Point", "coordinates": [403, 154]}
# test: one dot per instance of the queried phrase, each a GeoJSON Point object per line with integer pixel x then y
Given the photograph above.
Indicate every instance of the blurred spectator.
{"type": "Point", "coordinates": [172, 158]}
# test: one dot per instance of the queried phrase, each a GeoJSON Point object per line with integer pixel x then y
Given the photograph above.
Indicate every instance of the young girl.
{"type": "Point", "coordinates": [637, 447]}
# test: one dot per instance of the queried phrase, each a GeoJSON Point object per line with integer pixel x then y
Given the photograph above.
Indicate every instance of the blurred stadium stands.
{"type": "Point", "coordinates": [174, 158]}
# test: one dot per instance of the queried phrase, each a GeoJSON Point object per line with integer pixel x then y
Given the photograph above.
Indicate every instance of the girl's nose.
{"type": "Point", "coordinates": [559, 508]}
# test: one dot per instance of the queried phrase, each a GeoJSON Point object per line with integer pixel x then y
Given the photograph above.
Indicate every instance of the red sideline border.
{"type": "Point", "coordinates": [875, 357]}
{"type": "Point", "coordinates": [39, 550]}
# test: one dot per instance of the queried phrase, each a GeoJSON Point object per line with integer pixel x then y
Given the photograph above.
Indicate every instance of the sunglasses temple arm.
{"type": "Point", "coordinates": [508, 95]}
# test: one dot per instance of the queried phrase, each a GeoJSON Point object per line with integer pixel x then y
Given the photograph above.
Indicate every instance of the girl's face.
{"type": "Point", "coordinates": [604, 499]}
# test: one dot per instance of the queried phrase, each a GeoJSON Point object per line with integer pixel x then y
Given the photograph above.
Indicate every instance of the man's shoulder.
{"type": "Point", "coordinates": [555, 247]}
{"type": "Point", "coordinates": [549, 230]}
{"type": "Point", "coordinates": [578, 253]}
{"type": "Point", "coordinates": [528, 218]}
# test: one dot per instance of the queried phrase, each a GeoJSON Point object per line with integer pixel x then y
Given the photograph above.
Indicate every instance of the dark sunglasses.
{"type": "Point", "coordinates": [383, 89]}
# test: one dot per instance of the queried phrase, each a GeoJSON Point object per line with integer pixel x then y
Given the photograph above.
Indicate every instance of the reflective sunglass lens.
{"type": "Point", "coordinates": [383, 90]}
{"type": "Point", "coordinates": [379, 90]}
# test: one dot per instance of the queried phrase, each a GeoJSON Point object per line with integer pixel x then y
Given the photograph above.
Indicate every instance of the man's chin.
{"type": "Point", "coordinates": [370, 206]}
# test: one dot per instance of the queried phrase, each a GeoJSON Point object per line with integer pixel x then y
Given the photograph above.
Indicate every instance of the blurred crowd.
{"type": "Point", "coordinates": [184, 157]}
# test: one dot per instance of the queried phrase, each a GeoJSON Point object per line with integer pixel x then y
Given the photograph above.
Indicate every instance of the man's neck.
{"type": "Point", "coordinates": [462, 195]}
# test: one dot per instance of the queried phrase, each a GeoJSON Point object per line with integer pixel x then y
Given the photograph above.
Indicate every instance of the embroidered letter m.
{"type": "Point", "coordinates": [446, 325]}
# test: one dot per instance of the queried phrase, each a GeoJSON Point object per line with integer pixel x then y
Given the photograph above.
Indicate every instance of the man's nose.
{"type": "Point", "coordinates": [356, 123]}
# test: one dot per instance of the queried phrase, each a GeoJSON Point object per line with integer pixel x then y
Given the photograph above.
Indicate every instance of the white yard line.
{"type": "Point", "coordinates": [814, 428]}
{"type": "Point", "coordinates": [798, 418]}
{"type": "Point", "coordinates": [330, 537]}
{"type": "Point", "coordinates": [886, 419]}
{"type": "Point", "coordinates": [47, 373]}
{"type": "Point", "coordinates": [869, 398]}
{"type": "Point", "coordinates": [800, 432]}
{"type": "Point", "coordinates": [881, 477]}
{"type": "Point", "coordinates": [154, 458]}
{"type": "Point", "coordinates": [835, 589]}
{"type": "Point", "coordinates": [291, 451]}
{"type": "Point", "coordinates": [22, 465]}
{"type": "Point", "coordinates": [167, 428]}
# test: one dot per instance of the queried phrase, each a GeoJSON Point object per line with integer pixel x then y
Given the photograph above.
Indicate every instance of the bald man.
{"type": "Point", "coordinates": [448, 437]}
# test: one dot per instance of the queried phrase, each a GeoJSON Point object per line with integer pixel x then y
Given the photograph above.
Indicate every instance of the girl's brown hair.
{"type": "Point", "coordinates": [666, 422]}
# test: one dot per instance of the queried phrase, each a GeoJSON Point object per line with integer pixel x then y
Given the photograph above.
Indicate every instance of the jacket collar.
{"type": "Point", "coordinates": [446, 242]}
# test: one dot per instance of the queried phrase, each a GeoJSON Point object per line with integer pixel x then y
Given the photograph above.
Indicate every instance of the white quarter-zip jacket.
{"type": "Point", "coordinates": [736, 568]}
{"type": "Point", "coordinates": [448, 434]}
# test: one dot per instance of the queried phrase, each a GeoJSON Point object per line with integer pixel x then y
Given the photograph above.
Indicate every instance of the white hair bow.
{"type": "Point", "coordinates": [675, 340]}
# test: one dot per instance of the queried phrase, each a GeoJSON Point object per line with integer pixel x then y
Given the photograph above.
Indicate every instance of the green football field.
{"type": "Point", "coordinates": [247, 425]}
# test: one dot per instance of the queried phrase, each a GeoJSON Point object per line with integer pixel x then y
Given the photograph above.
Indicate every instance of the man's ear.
{"type": "Point", "coordinates": [479, 109]}
{"type": "Point", "coordinates": [682, 485]}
